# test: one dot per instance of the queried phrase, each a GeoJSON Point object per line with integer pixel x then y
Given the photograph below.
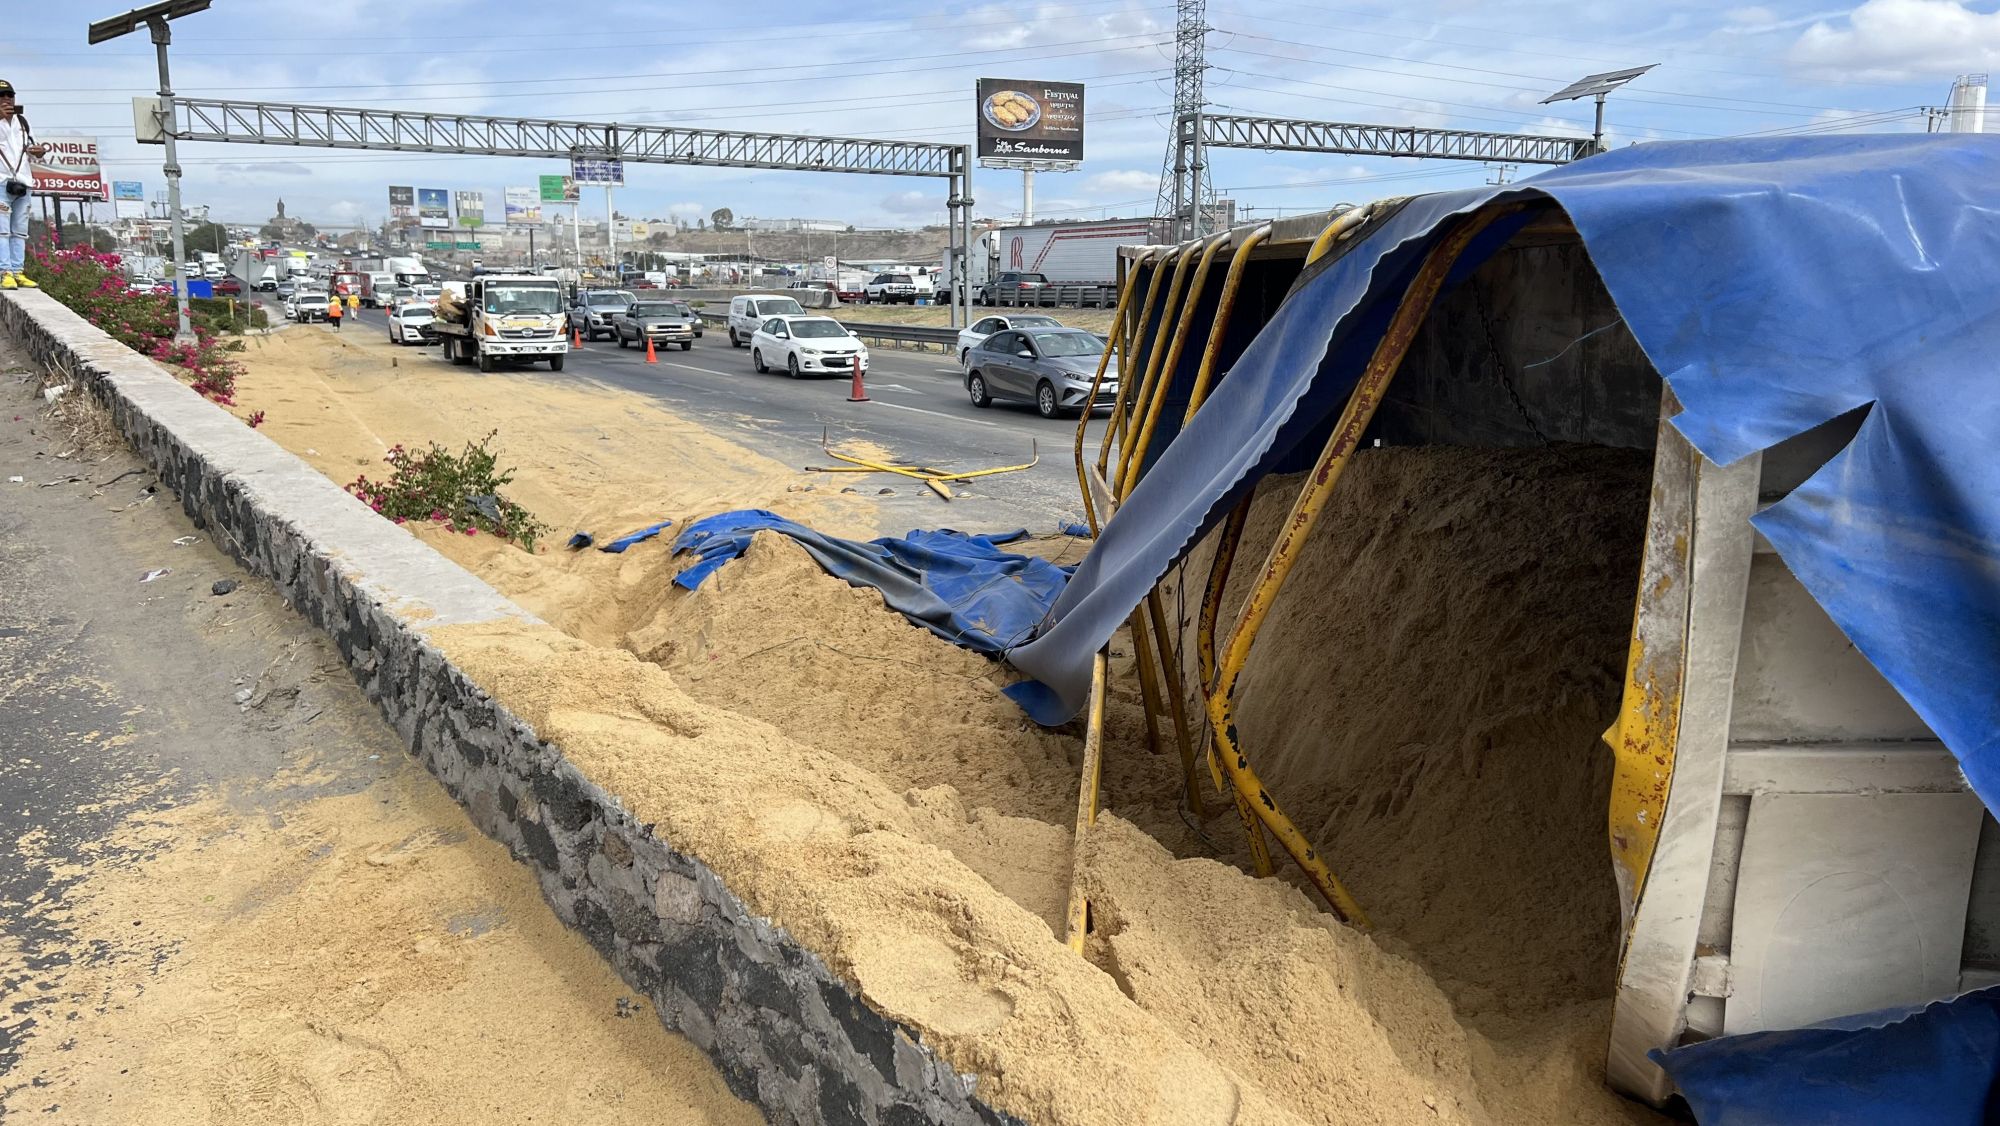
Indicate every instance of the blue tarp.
{"type": "Point", "coordinates": [1776, 285]}
{"type": "Point", "coordinates": [961, 587]}
{"type": "Point", "coordinates": [1856, 1071]}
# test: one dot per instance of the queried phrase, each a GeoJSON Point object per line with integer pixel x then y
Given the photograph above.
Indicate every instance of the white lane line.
{"type": "Point", "coordinates": [704, 371]}
{"type": "Point", "coordinates": [940, 414]}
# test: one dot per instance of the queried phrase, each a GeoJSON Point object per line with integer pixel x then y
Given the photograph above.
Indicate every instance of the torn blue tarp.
{"type": "Point", "coordinates": [961, 587]}
{"type": "Point", "coordinates": [1921, 1065]}
{"type": "Point", "coordinates": [1776, 285]}
{"type": "Point", "coordinates": [618, 545]}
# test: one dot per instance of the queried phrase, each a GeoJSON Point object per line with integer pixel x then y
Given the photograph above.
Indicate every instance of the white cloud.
{"type": "Point", "coordinates": [1901, 40]}
{"type": "Point", "coordinates": [913, 203]}
{"type": "Point", "coordinates": [1130, 182]}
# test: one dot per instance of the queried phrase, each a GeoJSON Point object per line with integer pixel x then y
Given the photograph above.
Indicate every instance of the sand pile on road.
{"type": "Point", "coordinates": [365, 957]}
{"type": "Point", "coordinates": [1344, 1030]}
{"type": "Point", "coordinates": [863, 782]}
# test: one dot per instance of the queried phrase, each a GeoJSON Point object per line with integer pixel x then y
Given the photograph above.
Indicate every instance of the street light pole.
{"type": "Point", "coordinates": [184, 332]}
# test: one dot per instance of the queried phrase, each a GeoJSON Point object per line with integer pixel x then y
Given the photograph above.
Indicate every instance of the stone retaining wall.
{"type": "Point", "coordinates": [787, 1034]}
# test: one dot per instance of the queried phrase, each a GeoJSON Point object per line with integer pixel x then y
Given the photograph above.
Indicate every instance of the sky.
{"type": "Point", "coordinates": [895, 69]}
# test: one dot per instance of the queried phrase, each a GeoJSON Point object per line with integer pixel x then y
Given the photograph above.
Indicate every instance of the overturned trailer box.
{"type": "Point", "coordinates": [1801, 337]}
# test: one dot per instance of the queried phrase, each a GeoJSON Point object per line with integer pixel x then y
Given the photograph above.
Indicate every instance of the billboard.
{"type": "Point", "coordinates": [1022, 120]}
{"type": "Point", "coordinates": [433, 208]}
{"type": "Point", "coordinates": [558, 189]}
{"type": "Point", "coordinates": [608, 171]}
{"type": "Point", "coordinates": [402, 206]}
{"type": "Point", "coordinates": [524, 207]}
{"type": "Point", "coordinates": [128, 198]}
{"type": "Point", "coordinates": [69, 170]}
{"type": "Point", "coordinates": [471, 209]}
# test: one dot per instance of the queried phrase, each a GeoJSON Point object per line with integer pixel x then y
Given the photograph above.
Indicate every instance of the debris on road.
{"type": "Point", "coordinates": [223, 586]}
{"type": "Point", "coordinates": [158, 573]}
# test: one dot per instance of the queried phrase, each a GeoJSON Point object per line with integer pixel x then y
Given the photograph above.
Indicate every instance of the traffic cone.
{"type": "Point", "coordinates": [650, 357]}
{"type": "Point", "coordinates": [858, 393]}
{"type": "Point", "coordinates": [575, 336]}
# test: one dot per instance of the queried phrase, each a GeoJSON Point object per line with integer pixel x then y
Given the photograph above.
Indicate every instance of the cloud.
{"type": "Point", "coordinates": [1901, 40]}
{"type": "Point", "coordinates": [1123, 183]}
{"type": "Point", "coordinates": [913, 203]}
{"type": "Point", "coordinates": [263, 168]}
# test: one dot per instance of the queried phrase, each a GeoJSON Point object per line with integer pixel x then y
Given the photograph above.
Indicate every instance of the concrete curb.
{"type": "Point", "coordinates": [786, 1032]}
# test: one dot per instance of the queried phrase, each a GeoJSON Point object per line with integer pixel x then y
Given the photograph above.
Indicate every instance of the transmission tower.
{"type": "Point", "coordinates": [1184, 174]}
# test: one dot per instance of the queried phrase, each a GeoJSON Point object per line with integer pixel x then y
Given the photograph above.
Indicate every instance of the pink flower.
{"type": "Point", "coordinates": [472, 531]}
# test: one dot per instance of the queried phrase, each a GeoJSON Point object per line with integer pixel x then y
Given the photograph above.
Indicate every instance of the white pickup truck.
{"type": "Point", "coordinates": [504, 318]}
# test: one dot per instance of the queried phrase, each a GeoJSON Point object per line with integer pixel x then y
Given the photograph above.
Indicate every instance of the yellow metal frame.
{"type": "Point", "coordinates": [1086, 803]}
{"type": "Point", "coordinates": [1298, 525]}
{"type": "Point", "coordinates": [1160, 368]}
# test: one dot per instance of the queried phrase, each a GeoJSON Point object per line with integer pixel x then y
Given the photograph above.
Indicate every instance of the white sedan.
{"type": "Point", "coordinates": [410, 323]}
{"type": "Point", "coordinates": [969, 338]}
{"type": "Point", "coordinates": [806, 346]}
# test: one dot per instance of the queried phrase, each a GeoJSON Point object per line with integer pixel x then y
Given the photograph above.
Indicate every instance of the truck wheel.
{"type": "Point", "coordinates": [621, 340]}
{"type": "Point", "coordinates": [486, 364]}
{"type": "Point", "coordinates": [556, 363]}
{"type": "Point", "coordinates": [686, 345]}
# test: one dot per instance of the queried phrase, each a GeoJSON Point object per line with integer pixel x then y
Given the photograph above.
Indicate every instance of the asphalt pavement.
{"type": "Point", "coordinates": [917, 408]}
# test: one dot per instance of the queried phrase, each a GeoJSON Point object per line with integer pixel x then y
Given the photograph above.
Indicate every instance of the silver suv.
{"type": "Point", "coordinates": [594, 309]}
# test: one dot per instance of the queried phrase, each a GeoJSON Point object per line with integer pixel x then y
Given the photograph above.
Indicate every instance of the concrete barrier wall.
{"type": "Point", "coordinates": [787, 1034]}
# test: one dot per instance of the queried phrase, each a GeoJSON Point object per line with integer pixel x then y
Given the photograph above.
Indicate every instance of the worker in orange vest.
{"type": "Point", "coordinates": [333, 312]}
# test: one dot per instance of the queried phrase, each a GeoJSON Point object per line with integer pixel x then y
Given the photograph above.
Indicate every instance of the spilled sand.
{"type": "Point", "coordinates": [865, 785]}
{"type": "Point", "coordinates": [365, 957]}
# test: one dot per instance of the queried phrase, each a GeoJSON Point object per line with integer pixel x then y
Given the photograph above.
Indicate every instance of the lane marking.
{"type": "Point", "coordinates": [940, 414]}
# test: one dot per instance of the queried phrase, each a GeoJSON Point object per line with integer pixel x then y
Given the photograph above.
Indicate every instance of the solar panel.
{"type": "Point", "coordinates": [1590, 86]}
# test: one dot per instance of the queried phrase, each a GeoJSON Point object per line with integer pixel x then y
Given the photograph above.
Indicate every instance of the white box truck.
{"type": "Point", "coordinates": [1063, 254]}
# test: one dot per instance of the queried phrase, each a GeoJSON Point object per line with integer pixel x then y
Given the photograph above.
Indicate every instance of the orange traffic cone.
{"type": "Point", "coordinates": [575, 337]}
{"type": "Point", "coordinates": [650, 357]}
{"type": "Point", "coordinates": [858, 393]}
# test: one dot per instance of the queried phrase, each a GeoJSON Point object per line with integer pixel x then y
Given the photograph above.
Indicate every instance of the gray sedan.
{"type": "Point", "coordinates": [667, 322]}
{"type": "Point", "coordinates": [1049, 367]}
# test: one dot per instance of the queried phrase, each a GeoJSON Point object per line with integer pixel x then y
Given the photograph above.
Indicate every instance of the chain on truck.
{"type": "Point", "coordinates": [504, 319]}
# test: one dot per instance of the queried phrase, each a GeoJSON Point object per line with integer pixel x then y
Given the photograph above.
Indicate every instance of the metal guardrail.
{"type": "Point", "coordinates": [881, 333]}
{"type": "Point", "coordinates": [1047, 297]}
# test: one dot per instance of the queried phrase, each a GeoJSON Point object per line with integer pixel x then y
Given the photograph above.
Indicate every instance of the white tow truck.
{"type": "Point", "coordinates": [504, 318]}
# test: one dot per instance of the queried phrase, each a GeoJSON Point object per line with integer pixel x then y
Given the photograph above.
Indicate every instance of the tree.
{"type": "Point", "coordinates": [101, 240]}
{"type": "Point", "coordinates": [210, 237]}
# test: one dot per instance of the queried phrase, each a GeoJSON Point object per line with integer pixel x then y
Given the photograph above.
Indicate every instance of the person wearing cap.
{"type": "Point", "coordinates": [18, 151]}
{"type": "Point", "coordinates": [333, 311]}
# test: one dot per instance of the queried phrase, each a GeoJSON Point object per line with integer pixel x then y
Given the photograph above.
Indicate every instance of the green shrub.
{"type": "Point", "coordinates": [458, 490]}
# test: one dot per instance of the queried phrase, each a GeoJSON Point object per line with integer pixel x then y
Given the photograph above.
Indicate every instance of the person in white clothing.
{"type": "Point", "coordinates": [18, 150]}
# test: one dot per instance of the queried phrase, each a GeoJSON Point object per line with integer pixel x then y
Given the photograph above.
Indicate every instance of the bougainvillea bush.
{"type": "Point", "coordinates": [91, 283]}
{"type": "Point", "coordinates": [460, 491]}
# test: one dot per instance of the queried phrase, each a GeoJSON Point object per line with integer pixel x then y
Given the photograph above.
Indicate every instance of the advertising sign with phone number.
{"type": "Point", "coordinates": [69, 170]}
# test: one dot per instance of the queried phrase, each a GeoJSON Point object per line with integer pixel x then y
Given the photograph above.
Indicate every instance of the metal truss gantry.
{"type": "Point", "coordinates": [339, 127]}
{"type": "Point", "coordinates": [1196, 133]}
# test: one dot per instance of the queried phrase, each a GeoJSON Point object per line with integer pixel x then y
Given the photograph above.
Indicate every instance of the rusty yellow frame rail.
{"type": "Point", "coordinates": [1284, 553]}
{"type": "Point", "coordinates": [1086, 803]}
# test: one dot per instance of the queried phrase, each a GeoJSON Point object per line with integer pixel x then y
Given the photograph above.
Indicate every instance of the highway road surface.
{"type": "Point", "coordinates": [917, 408]}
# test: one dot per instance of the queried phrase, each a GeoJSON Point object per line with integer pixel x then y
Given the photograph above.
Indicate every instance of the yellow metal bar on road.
{"type": "Point", "coordinates": [1086, 804]}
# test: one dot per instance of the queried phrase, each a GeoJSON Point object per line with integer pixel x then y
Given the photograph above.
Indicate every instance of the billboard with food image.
{"type": "Point", "coordinates": [1023, 120]}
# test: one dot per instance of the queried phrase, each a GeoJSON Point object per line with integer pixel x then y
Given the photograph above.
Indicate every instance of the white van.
{"type": "Point", "coordinates": [752, 309]}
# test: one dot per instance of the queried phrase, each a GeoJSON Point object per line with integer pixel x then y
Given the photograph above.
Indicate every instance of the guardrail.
{"type": "Point", "coordinates": [943, 337]}
{"type": "Point", "coordinates": [1047, 297]}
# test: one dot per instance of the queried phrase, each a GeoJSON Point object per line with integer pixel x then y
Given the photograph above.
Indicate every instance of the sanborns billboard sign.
{"type": "Point", "coordinates": [69, 170]}
{"type": "Point", "coordinates": [1023, 120]}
